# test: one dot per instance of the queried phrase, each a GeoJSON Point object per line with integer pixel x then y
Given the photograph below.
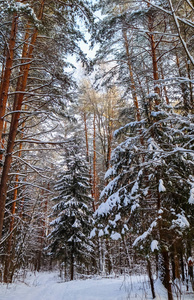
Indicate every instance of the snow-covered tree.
{"type": "Point", "coordinates": [34, 94]}
{"type": "Point", "coordinates": [150, 187]}
{"type": "Point", "coordinates": [72, 213]}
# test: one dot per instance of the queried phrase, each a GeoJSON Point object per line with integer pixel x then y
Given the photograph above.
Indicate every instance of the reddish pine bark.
{"type": "Point", "coordinates": [155, 65]}
{"type": "Point", "coordinates": [86, 137]}
{"type": "Point", "coordinates": [154, 56]}
{"type": "Point", "coordinates": [7, 73]}
{"type": "Point", "coordinates": [14, 122]}
{"type": "Point", "coordinates": [3, 140]}
{"type": "Point", "coordinates": [110, 137]}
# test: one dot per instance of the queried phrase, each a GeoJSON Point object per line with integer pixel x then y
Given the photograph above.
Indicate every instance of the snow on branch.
{"type": "Point", "coordinates": [179, 33]}
{"type": "Point", "coordinates": [19, 7]}
{"type": "Point", "coordinates": [161, 187]}
{"type": "Point", "coordinates": [154, 245]}
{"type": "Point", "coordinates": [181, 222]}
{"type": "Point", "coordinates": [145, 234]}
{"type": "Point", "coordinates": [191, 198]}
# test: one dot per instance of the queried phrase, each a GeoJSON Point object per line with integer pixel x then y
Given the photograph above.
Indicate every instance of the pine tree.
{"type": "Point", "coordinates": [72, 213]}
{"type": "Point", "coordinates": [35, 86]}
{"type": "Point", "coordinates": [137, 40]}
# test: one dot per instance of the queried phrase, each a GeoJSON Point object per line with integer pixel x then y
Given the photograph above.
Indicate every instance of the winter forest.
{"type": "Point", "coordinates": [97, 142]}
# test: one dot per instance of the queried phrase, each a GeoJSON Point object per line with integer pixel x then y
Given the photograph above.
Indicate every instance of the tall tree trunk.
{"type": "Point", "coordinates": [110, 136]}
{"type": "Point", "coordinates": [155, 66]}
{"type": "Point", "coordinates": [22, 200]}
{"type": "Point", "coordinates": [94, 187]}
{"type": "Point", "coordinates": [72, 263]}
{"type": "Point", "coordinates": [164, 268]}
{"type": "Point", "coordinates": [151, 278]}
{"type": "Point", "coordinates": [164, 87]}
{"type": "Point", "coordinates": [182, 265]}
{"type": "Point", "coordinates": [109, 257]}
{"type": "Point", "coordinates": [86, 136]}
{"type": "Point", "coordinates": [183, 85]}
{"type": "Point", "coordinates": [44, 205]}
{"type": "Point", "coordinates": [190, 85]}
{"type": "Point", "coordinates": [133, 88]}
{"type": "Point", "coordinates": [109, 132]}
{"type": "Point", "coordinates": [14, 123]}
{"type": "Point", "coordinates": [176, 263]}
{"type": "Point", "coordinates": [3, 68]}
{"type": "Point", "coordinates": [190, 262]}
{"type": "Point", "coordinates": [3, 143]}
{"type": "Point", "coordinates": [11, 226]}
{"type": "Point", "coordinates": [88, 157]}
{"type": "Point", "coordinates": [165, 275]}
{"type": "Point", "coordinates": [153, 54]}
{"type": "Point", "coordinates": [7, 73]}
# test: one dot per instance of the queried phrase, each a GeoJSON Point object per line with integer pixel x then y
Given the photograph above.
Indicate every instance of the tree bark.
{"type": "Point", "coordinates": [183, 85]}
{"type": "Point", "coordinates": [164, 87]}
{"type": "Point", "coordinates": [133, 88]}
{"type": "Point", "coordinates": [72, 263]}
{"type": "Point", "coordinates": [190, 84]}
{"type": "Point", "coordinates": [182, 266]}
{"type": "Point", "coordinates": [3, 143]}
{"type": "Point", "coordinates": [94, 188]}
{"type": "Point", "coordinates": [14, 123]}
{"type": "Point", "coordinates": [7, 73]}
{"type": "Point", "coordinates": [151, 278]}
{"type": "Point", "coordinates": [86, 137]}
{"type": "Point", "coordinates": [154, 56]}
{"type": "Point", "coordinates": [166, 272]}
{"type": "Point", "coordinates": [109, 133]}
{"type": "Point", "coordinates": [164, 267]}
{"type": "Point", "coordinates": [11, 227]}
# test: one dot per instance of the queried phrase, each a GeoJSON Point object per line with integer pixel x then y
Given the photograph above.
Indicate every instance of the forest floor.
{"type": "Point", "coordinates": [48, 286]}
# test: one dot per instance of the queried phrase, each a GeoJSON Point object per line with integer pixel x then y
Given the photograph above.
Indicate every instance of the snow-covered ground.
{"type": "Point", "coordinates": [47, 286]}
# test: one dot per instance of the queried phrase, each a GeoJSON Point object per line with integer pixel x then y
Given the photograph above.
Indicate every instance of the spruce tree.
{"type": "Point", "coordinates": [72, 213]}
{"type": "Point", "coordinates": [151, 187]}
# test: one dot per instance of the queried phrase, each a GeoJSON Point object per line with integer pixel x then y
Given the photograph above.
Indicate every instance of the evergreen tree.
{"type": "Point", "coordinates": [36, 88]}
{"type": "Point", "coordinates": [151, 187]}
{"type": "Point", "coordinates": [137, 43]}
{"type": "Point", "coordinates": [73, 214]}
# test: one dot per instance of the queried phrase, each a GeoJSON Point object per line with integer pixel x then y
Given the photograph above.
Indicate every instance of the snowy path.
{"type": "Point", "coordinates": [46, 286]}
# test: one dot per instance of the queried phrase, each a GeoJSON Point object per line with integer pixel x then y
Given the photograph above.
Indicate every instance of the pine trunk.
{"type": "Point", "coordinates": [94, 187]}
{"type": "Point", "coordinates": [14, 124]}
{"type": "Point", "coordinates": [155, 66]}
{"type": "Point", "coordinates": [133, 88]}
{"type": "Point", "coordinates": [11, 226]}
{"type": "Point", "coordinates": [154, 56]}
{"type": "Point", "coordinates": [3, 143]}
{"type": "Point", "coordinates": [109, 138]}
{"type": "Point", "coordinates": [86, 137]}
{"type": "Point", "coordinates": [165, 275]}
{"type": "Point", "coordinates": [7, 73]}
